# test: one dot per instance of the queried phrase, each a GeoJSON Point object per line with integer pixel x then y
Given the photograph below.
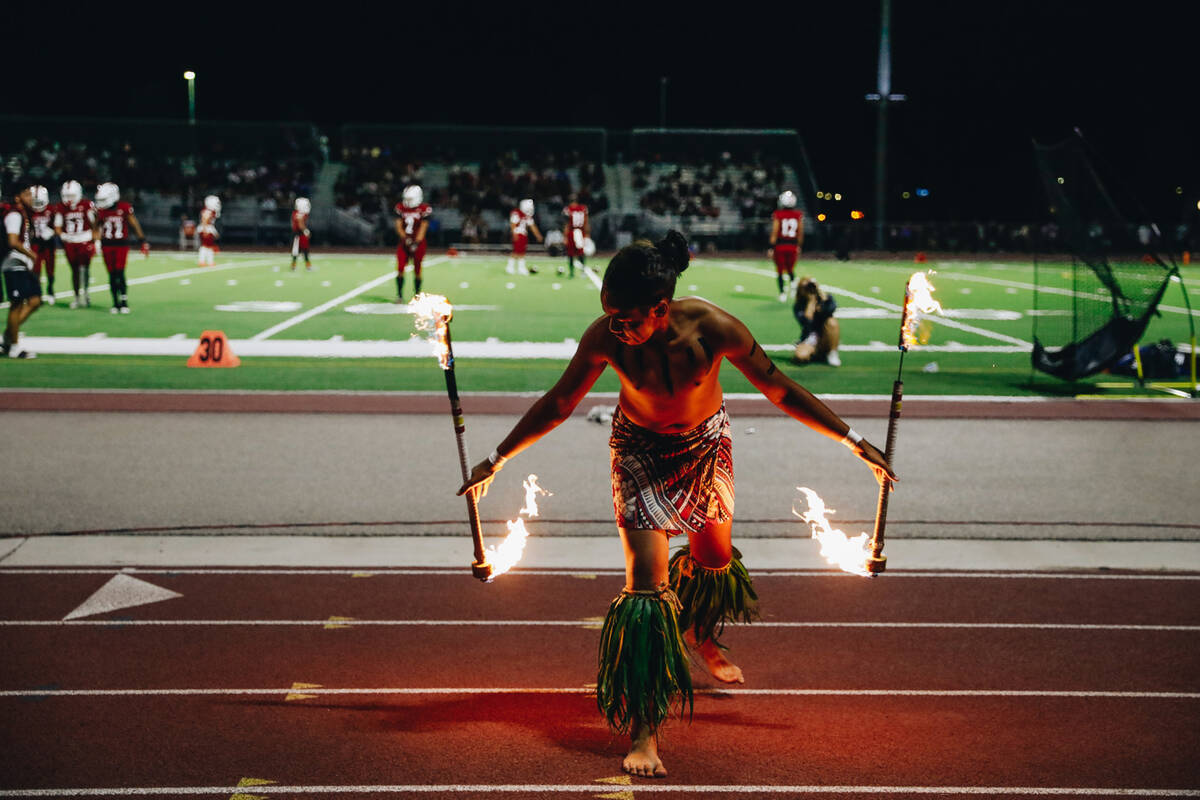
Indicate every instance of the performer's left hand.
{"type": "Point", "coordinates": [481, 478]}
{"type": "Point", "coordinates": [878, 464]}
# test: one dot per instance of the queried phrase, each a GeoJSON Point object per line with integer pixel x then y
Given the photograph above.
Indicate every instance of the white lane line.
{"type": "Point", "coordinates": [695, 790]}
{"type": "Point", "coordinates": [452, 571]}
{"type": "Point", "coordinates": [593, 277]}
{"type": "Point", "coordinates": [162, 276]}
{"type": "Point", "coordinates": [942, 321]}
{"type": "Point", "coordinates": [583, 690]}
{"type": "Point", "coordinates": [337, 301]}
{"type": "Point", "coordinates": [570, 623]}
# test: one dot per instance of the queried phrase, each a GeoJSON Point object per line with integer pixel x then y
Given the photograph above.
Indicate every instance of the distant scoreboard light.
{"type": "Point", "coordinates": [922, 192]}
{"type": "Point", "coordinates": [821, 217]}
{"type": "Point", "coordinates": [837, 197]}
{"type": "Point", "coordinates": [857, 215]}
{"type": "Point", "coordinates": [820, 195]}
{"type": "Point", "coordinates": [906, 195]}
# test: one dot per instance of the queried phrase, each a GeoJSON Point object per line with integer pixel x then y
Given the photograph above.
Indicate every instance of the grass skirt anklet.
{"type": "Point", "coordinates": [711, 597]}
{"type": "Point", "coordinates": [643, 661]}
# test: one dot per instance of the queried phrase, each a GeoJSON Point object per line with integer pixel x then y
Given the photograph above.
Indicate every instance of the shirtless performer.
{"type": "Point", "coordinates": [672, 473]}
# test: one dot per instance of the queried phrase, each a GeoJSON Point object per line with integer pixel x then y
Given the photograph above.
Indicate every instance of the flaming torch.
{"type": "Point", "coordinates": [432, 313]}
{"type": "Point", "coordinates": [918, 301]}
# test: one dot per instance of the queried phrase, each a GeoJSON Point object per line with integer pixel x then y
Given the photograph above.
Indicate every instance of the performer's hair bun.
{"type": "Point", "coordinates": [674, 250]}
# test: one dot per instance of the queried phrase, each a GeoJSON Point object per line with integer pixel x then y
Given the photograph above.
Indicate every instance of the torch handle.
{"type": "Point", "coordinates": [460, 428]}
{"type": "Point", "coordinates": [886, 486]}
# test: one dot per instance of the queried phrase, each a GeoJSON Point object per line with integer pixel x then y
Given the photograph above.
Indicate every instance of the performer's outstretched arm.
{"type": "Point", "coordinates": [551, 408]}
{"type": "Point", "coordinates": [790, 397]}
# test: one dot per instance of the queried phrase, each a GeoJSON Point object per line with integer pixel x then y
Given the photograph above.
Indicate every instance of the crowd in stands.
{"type": "Point", "coordinates": [376, 176]}
{"type": "Point", "coordinates": [700, 189]}
{"type": "Point", "coordinates": [273, 179]}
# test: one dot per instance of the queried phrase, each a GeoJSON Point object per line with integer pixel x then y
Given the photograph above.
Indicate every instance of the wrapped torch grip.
{"type": "Point", "coordinates": [480, 566]}
{"type": "Point", "coordinates": [885, 487]}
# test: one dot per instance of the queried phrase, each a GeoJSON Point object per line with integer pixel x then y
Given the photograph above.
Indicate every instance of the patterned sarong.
{"type": "Point", "coordinates": [674, 482]}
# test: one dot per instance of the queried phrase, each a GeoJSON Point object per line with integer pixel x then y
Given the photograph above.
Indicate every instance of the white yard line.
{"type": "Point", "coordinates": [563, 623]}
{"type": "Point", "coordinates": [337, 301]}
{"type": "Point", "coordinates": [874, 301]}
{"type": "Point", "coordinates": [162, 276]}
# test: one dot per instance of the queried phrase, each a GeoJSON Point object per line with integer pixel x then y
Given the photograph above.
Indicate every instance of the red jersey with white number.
{"type": "Point", "coordinates": [520, 222]}
{"type": "Point", "coordinates": [206, 229]}
{"type": "Point", "coordinates": [77, 221]}
{"type": "Point", "coordinates": [412, 217]}
{"type": "Point", "coordinates": [790, 222]}
{"type": "Point", "coordinates": [299, 221]}
{"type": "Point", "coordinates": [43, 223]}
{"type": "Point", "coordinates": [576, 214]}
{"type": "Point", "coordinates": [114, 224]}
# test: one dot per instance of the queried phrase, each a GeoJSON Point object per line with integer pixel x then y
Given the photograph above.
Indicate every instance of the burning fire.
{"type": "Point", "coordinates": [918, 302]}
{"type": "Point", "coordinates": [505, 555]}
{"type": "Point", "coordinates": [431, 313]}
{"type": "Point", "coordinates": [845, 553]}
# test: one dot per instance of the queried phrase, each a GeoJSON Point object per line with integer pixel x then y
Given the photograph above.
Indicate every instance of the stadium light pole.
{"type": "Point", "coordinates": [190, 77]}
{"type": "Point", "coordinates": [883, 96]}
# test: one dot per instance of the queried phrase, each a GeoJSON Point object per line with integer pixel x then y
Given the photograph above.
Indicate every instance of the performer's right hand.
{"type": "Point", "coordinates": [480, 480]}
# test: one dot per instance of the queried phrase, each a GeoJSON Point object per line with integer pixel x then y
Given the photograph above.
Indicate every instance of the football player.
{"type": "Point", "coordinates": [76, 227]}
{"type": "Point", "coordinates": [115, 218]}
{"type": "Point", "coordinates": [300, 232]}
{"type": "Point", "coordinates": [520, 225]}
{"type": "Point", "coordinates": [41, 241]}
{"type": "Point", "coordinates": [412, 223]}
{"type": "Point", "coordinates": [21, 285]}
{"type": "Point", "coordinates": [206, 231]}
{"type": "Point", "coordinates": [576, 232]}
{"type": "Point", "coordinates": [787, 237]}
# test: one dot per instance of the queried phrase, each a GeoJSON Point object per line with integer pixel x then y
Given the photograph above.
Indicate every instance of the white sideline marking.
{"type": "Point", "coordinates": [942, 321]}
{"type": "Point", "coordinates": [100, 344]}
{"type": "Point", "coordinates": [593, 788]}
{"type": "Point", "coordinates": [70, 621]}
{"type": "Point", "coordinates": [337, 301]}
{"type": "Point", "coordinates": [162, 276]}
{"type": "Point", "coordinates": [593, 277]}
{"type": "Point", "coordinates": [581, 690]}
{"type": "Point", "coordinates": [453, 572]}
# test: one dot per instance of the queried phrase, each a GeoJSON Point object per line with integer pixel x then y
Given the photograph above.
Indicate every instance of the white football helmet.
{"type": "Point", "coordinates": [107, 195]}
{"type": "Point", "coordinates": [213, 204]}
{"type": "Point", "coordinates": [71, 192]}
{"type": "Point", "coordinates": [413, 196]}
{"type": "Point", "coordinates": [526, 207]}
{"type": "Point", "coordinates": [41, 197]}
{"type": "Point", "coordinates": [787, 199]}
{"type": "Point", "coordinates": [303, 205]}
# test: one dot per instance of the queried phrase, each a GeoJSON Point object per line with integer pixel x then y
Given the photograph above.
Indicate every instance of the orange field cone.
{"type": "Point", "coordinates": [1187, 257]}
{"type": "Point", "coordinates": [213, 351]}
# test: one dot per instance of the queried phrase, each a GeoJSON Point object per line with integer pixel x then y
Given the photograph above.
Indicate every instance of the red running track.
{"type": "Point", "coordinates": [906, 683]}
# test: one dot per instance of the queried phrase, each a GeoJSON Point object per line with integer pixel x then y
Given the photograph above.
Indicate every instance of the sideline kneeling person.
{"type": "Point", "coordinates": [820, 333]}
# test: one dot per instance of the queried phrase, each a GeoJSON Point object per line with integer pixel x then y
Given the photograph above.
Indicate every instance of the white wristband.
{"type": "Point", "coordinates": [851, 439]}
{"type": "Point", "coordinates": [497, 459]}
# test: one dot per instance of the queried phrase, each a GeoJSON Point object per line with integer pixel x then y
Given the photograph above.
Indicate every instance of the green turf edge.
{"type": "Point", "coordinates": [1008, 374]}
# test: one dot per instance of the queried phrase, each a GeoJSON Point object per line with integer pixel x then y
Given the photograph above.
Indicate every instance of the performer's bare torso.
{"type": "Point", "coordinates": [669, 381]}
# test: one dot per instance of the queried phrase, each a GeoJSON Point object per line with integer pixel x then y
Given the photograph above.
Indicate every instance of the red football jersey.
{"type": "Point", "coordinates": [299, 221]}
{"type": "Point", "coordinates": [576, 214]}
{"type": "Point", "coordinates": [43, 222]}
{"type": "Point", "coordinates": [520, 222]}
{"type": "Point", "coordinates": [114, 223]}
{"type": "Point", "coordinates": [77, 221]}
{"type": "Point", "coordinates": [412, 216]}
{"type": "Point", "coordinates": [206, 229]}
{"type": "Point", "coordinates": [790, 222]}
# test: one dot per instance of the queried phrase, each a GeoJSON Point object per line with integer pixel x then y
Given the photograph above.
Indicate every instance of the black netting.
{"type": "Point", "coordinates": [1093, 309]}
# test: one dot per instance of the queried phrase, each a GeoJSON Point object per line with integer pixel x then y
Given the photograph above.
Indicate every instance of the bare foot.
{"type": "Point", "coordinates": [643, 759]}
{"type": "Point", "coordinates": [718, 665]}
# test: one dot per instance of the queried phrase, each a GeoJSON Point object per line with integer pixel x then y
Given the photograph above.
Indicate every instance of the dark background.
{"type": "Point", "coordinates": [982, 79]}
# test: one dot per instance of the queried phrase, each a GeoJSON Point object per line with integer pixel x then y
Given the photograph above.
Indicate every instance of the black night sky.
{"type": "Point", "coordinates": [982, 79]}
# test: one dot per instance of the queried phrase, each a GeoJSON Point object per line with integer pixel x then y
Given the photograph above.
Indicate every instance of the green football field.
{"type": "Point", "coordinates": [337, 327]}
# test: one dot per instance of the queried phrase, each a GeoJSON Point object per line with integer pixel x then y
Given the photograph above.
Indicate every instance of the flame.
{"type": "Point", "coordinates": [432, 313]}
{"type": "Point", "coordinates": [918, 302]}
{"type": "Point", "coordinates": [847, 553]}
{"type": "Point", "coordinates": [505, 555]}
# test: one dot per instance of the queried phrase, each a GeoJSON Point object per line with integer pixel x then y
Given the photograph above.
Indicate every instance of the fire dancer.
{"type": "Point", "coordinates": [672, 472]}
